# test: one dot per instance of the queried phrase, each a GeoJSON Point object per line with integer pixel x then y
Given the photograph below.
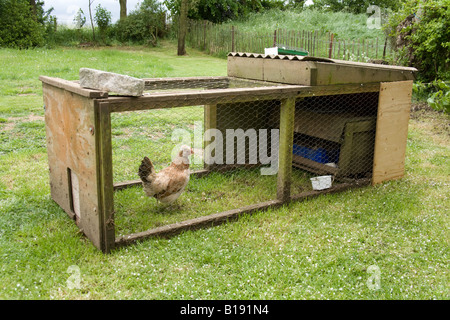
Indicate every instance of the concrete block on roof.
{"type": "Point", "coordinates": [111, 82]}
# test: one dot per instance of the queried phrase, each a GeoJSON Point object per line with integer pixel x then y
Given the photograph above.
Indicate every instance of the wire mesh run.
{"type": "Point", "coordinates": [334, 139]}
{"type": "Point", "coordinates": [235, 142]}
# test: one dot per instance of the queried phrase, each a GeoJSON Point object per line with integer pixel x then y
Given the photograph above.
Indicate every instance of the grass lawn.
{"type": "Point", "coordinates": [317, 249]}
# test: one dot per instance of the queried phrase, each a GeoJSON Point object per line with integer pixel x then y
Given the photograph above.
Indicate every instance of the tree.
{"type": "Point", "coordinates": [218, 11]}
{"type": "Point", "coordinates": [123, 9]}
{"type": "Point", "coordinates": [92, 21]}
{"type": "Point", "coordinates": [422, 33]}
{"type": "Point", "coordinates": [103, 20]}
{"type": "Point", "coordinates": [143, 25]}
{"type": "Point", "coordinates": [79, 19]}
{"type": "Point", "coordinates": [182, 27]}
{"type": "Point", "coordinates": [33, 8]}
{"type": "Point", "coordinates": [19, 27]}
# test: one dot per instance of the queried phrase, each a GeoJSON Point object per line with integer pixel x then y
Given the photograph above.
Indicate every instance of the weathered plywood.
{"type": "Point", "coordinates": [105, 172]}
{"type": "Point", "coordinates": [391, 131]}
{"type": "Point", "coordinates": [245, 68]}
{"type": "Point", "coordinates": [292, 72]}
{"type": "Point", "coordinates": [74, 87]}
{"type": "Point", "coordinates": [314, 73]}
{"type": "Point", "coordinates": [72, 156]}
{"type": "Point", "coordinates": [343, 73]}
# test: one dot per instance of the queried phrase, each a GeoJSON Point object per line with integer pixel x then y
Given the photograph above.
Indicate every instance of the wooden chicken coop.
{"type": "Point", "coordinates": [341, 118]}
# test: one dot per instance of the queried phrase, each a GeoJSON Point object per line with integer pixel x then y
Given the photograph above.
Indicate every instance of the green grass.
{"type": "Point", "coordinates": [316, 249]}
{"type": "Point", "coordinates": [343, 24]}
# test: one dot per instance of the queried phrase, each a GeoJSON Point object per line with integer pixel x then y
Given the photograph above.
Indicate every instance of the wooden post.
{"type": "Point", "coordinates": [105, 170]}
{"type": "Point", "coordinates": [314, 44]}
{"type": "Point", "coordinates": [362, 48]}
{"type": "Point", "coordinates": [339, 49]}
{"type": "Point", "coordinates": [210, 120]}
{"type": "Point", "coordinates": [204, 35]}
{"type": "Point", "coordinates": [376, 50]}
{"type": "Point", "coordinates": [331, 46]}
{"type": "Point", "coordinates": [303, 45]}
{"type": "Point", "coordinates": [359, 46]}
{"type": "Point", "coordinates": [232, 39]}
{"type": "Point", "coordinates": [287, 115]}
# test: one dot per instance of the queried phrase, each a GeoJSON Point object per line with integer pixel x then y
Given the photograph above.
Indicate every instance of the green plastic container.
{"type": "Point", "coordinates": [291, 51]}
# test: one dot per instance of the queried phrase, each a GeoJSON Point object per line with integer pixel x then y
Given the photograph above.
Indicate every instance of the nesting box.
{"type": "Point", "coordinates": [358, 113]}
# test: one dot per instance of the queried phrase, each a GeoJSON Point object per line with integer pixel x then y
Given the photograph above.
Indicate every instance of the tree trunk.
{"type": "Point", "coordinates": [33, 9]}
{"type": "Point", "coordinates": [182, 29]}
{"type": "Point", "coordinates": [92, 21]}
{"type": "Point", "coordinates": [123, 9]}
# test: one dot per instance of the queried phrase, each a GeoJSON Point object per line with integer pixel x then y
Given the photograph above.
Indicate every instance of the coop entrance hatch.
{"type": "Point", "coordinates": [257, 143]}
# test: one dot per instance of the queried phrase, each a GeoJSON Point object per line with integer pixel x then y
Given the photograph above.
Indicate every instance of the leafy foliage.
{"type": "Point", "coordinates": [18, 27]}
{"type": "Point", "coordinates": [143, 25]}
{"type": "Point", "coordinates": [426, 38]}
{"type": "Point", "coordinates": [218, 11]}
{"type": "Point", "coordinates": [355, 6]}
{"type": "Point", "coordinates": [103, 20]}
{"type": "Point", "coordinates": [79, 19]}
{"type": "Point", "coordinates": [436, 94]}
{"type": "Point", "coordinates": [102, 17]}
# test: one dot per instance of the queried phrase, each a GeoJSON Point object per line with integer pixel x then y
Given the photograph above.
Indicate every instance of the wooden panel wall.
{"type": "Point", "coordinates": [70, 121]}
{"type": "Point", "coordinates": [391, 131]}
{"type": "Point", "coordinates": [314, 73]}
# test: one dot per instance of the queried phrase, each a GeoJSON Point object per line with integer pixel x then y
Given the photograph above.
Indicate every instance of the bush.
{"type": "Point", "coordinates": [18, 27]}
{"type": "Point", "coordinates": [102, 19]}
{"type": "Point", "coordinates": [436, 94]}
{"type": "Point", "coordinates": [66, 36]}
{"type": "Point", "coordinates": [422, 33]}
{"type": "Point", "coordinates": [144, 25]}
{"type": "Point", "coordinates": [440, 98]}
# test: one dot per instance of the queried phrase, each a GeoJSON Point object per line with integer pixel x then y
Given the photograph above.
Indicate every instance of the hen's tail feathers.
{"type": "Point", "coordinates": [145, 169]}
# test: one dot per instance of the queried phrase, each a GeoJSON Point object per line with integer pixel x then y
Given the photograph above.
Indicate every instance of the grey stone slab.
{"type": "Point", "coordinates": [111, 82]}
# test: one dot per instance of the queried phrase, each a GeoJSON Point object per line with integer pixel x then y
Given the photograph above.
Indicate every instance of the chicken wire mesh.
{"type": "Point", "coordinates": [235, 147]}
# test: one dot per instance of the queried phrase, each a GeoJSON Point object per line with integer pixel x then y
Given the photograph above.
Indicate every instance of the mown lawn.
{"type": "Point", "coordinates": [317, 249]}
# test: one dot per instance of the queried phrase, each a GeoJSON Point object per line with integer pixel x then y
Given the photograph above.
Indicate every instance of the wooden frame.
{"type": "Point", "coordinates": [78, 126]}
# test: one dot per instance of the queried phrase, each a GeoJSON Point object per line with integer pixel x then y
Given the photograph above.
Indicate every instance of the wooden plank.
{"type": "Point", "coordinates": [156, 83]}
{"type": "Point", "coordinates": [226, 216]}
{"type": "Point", "coordinates": [74, 87]}
{"type": "Point", "coordinates": [245, 68]}
{"type": "Point", "coordinates": [105, 171]}
{"type": "Point", "coordinates": [132, 183]}
{"type": "Point", "coordinates": [356, 154]}
{"type": "Point", "coordinates": [340, 73]}
{"type": "Point", "coordinates": [313, 166]}
{"type": "Point", "coordinates": [313, 91]}
{"type": "Point", "coordinates": [210, 122]}
{"type": "Point", "coordinates": [391, 131]}
{"type": "Point", "coordinates": [192, 224]}
{"type": "Point", "coordinates": [204, 97]}
{"type": "Point", "coordinates": [304, 72]}
{"type": "Point", "coordinates": [288, 71]}
{"type": "Point", "coordinates": [201, 97]}
{"type": "Point", "coordinates": [72, 155]}
{"type": "Point", "coordinates": [287, 115]}
{"type": "Point", "coordinates": [127, 184]}
{"type": "Point", "coordinates": [374, 66]}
